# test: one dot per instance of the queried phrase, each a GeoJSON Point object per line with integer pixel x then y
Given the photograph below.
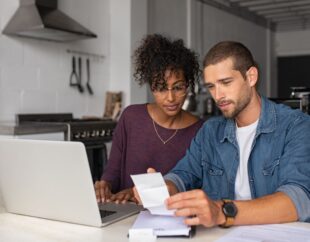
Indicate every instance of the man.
{"type": "Point", "coordinates": [251, 166]}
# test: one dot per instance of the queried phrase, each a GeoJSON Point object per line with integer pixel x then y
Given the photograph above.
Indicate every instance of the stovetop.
{"type": "Point", "coordinates": [85, 130]}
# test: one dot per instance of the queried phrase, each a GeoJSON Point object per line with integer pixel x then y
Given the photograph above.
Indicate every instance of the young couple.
{"type": "Point", "coordinates": [249, 166]}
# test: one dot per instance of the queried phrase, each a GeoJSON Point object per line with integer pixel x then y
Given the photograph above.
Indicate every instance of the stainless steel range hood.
{"type": "Point", "coordinates": [40, 19]}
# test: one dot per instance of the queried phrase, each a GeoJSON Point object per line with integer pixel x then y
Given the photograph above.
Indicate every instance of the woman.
{"type": "Point", "coordinates": [155, 134]}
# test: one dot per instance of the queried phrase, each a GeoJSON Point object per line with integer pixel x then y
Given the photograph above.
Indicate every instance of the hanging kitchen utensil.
{"type": "Point", "coordinates": [74, 78]}
{"type": "Point", "coordinates": [89, 88]}
{"type": "Point", "coordinates": [79, 84]}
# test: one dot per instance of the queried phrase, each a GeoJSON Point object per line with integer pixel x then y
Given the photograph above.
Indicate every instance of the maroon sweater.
{"type": "Point", "coordinates": [136, 147]}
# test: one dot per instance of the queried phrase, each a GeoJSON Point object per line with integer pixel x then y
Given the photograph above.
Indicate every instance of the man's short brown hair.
{"type": "Point", "coordinates": [241, 56]}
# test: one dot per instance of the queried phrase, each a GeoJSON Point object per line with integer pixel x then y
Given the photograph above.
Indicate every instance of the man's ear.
{"type": "Point", "coordinates": [252, 75]}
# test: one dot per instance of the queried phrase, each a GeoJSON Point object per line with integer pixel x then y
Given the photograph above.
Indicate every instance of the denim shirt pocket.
{"type": "Point", "coordinates": [212, 179]}
{"type": "Point", "coordinates": [269, 169]}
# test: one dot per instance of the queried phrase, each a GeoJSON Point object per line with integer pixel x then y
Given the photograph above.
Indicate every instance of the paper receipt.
{"type": "Point", "coordinates": [153, 192]}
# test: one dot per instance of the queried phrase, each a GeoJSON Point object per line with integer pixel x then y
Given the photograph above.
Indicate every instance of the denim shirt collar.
{"type": "Point", "coordinates": [266, 124]}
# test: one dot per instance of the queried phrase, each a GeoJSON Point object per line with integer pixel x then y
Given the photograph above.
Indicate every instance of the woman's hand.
{"type": "Point", "coordinates": [124, 196]}
{"type": "Point", "coordinates": [103, 191]}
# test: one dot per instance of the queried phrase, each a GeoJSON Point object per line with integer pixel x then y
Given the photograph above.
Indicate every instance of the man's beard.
{"type": "Point", "coordinates": [239, 106]}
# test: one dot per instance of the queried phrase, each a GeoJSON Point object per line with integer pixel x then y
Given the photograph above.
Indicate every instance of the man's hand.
{"type": "Point", "coordinates": [103, 191]}
{"type": "Point", "coordinates": [124, 196]}
{"type": "Point", "coordinates": [198, 207]}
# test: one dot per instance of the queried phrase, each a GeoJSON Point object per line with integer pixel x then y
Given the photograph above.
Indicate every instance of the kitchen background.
{"type": "Point", "coordinates": [34, 74]}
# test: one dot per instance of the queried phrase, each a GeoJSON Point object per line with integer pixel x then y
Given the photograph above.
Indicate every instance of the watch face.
{"type": "Point", "coordinates": [230, 209]}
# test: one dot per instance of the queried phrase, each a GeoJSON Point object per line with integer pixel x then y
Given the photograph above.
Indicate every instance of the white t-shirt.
{"type": "Point", "coordinates": [245, 137]}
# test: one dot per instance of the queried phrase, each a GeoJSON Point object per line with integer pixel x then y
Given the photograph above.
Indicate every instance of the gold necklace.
{"type": "Point", "coordinates": [161, 139]}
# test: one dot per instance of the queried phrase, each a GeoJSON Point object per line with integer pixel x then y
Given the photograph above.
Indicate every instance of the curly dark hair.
{"type": "Point", "coordinates": [157, 54]}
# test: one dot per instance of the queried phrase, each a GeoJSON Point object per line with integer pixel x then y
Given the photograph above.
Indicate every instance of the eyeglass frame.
{"type": "Point", "coordinates": [165, 90]}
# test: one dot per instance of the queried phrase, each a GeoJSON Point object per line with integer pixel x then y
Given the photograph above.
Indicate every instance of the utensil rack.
{"type": "Point", "coordinates": [95, 57]}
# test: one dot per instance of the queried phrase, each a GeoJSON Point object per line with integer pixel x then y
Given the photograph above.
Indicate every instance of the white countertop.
{"type": "Point", "coordinates": [15, 228]}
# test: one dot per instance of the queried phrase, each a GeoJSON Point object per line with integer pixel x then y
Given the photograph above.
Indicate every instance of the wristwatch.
{"type": "Point", "coordinates": [230, 211]}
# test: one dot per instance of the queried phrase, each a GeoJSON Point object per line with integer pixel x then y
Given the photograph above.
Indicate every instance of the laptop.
{"type": "Point", "coordinates": [52, 180]}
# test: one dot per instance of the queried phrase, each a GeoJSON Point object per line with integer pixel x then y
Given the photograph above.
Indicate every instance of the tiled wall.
{"type": "Point", "coordinates": [34, 75]}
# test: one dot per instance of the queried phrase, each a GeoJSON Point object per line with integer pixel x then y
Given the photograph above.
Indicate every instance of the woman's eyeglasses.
{"type": "Point", "coordinates": [179, 90]}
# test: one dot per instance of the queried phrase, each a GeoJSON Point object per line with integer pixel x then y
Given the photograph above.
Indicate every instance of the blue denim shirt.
{"type": "Point", "coordinates": [279, 158]}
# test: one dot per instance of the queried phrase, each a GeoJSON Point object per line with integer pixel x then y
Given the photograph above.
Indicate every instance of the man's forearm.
{"type": "Point", "coordinates": [275, 208]}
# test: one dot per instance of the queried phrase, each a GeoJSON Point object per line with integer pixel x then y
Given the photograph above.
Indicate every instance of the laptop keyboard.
{"type": "Point", "coordinates": [105, 213]}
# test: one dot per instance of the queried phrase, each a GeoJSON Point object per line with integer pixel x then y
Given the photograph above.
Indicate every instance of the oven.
{"type": "Point", "coordinates": [93, 133]}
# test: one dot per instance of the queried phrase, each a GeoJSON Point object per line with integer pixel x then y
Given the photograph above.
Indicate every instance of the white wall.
{"type": "Point", "coordinates": [139, 23]}
{"type": "Point", "coordinates": [168, 18]}
{"type": "Point", "coordinates": [34, 74]}
{"type": "Point", "coordinates": [293, 43]}
{"type": "Point", "coordinates": [219, 25]}
{"type": "Point", "coordinates": [201, 26]}
{"type": "Point", "coordinates": [2, 209]}
{"type": "Point", "coordinates": [128, 27]}
{"type": "Point", "coordinates": [120, 47]}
